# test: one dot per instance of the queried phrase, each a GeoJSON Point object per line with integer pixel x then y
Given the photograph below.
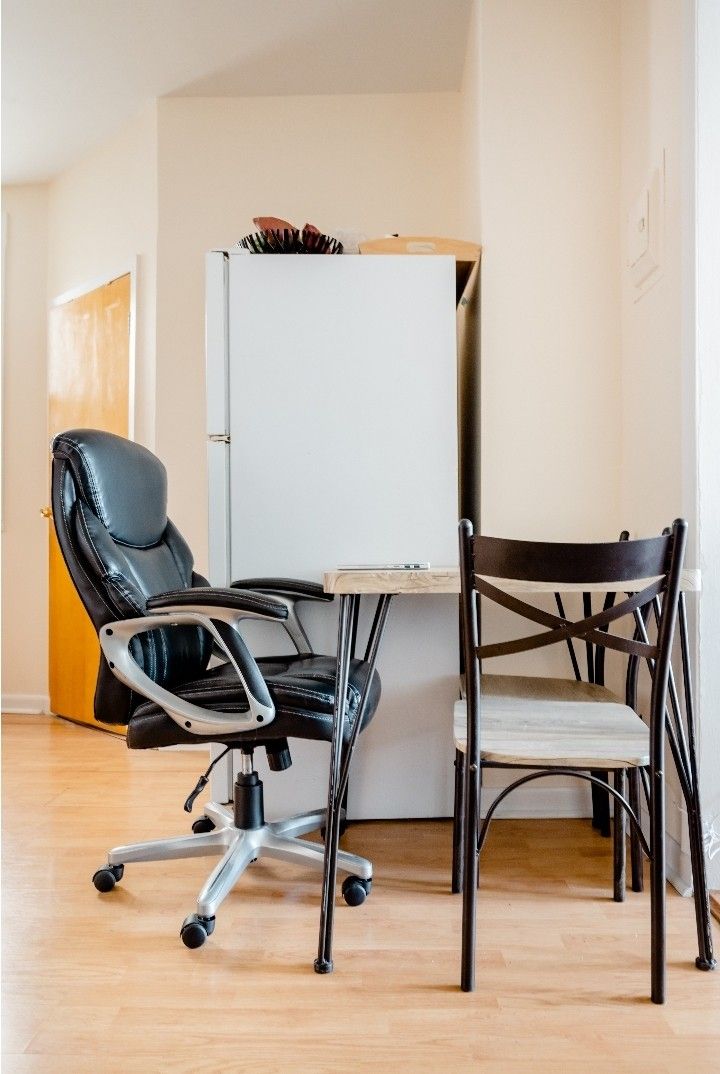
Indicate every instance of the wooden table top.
{"type": "Point", "coordinates": [447, 580]}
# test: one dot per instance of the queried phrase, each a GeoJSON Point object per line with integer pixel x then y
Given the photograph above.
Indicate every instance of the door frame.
{"type": "Point", "coordinates": [130, 269]}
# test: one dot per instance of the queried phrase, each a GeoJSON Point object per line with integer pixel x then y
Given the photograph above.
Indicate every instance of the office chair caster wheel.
{"type": "Point", "coordinates": [195, 930]}
{"type": "Point", "coordinates": [202, 824]}
{"type": "Point", "coordinates": [355, 890]}
{"type": "Point", "coordinates": [106, 878]}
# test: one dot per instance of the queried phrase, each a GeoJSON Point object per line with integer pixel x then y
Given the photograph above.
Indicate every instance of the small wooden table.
{"type": "Point", "coordinates": [447, 580]}
{"type": "Point", "coordinates": [350, 585]}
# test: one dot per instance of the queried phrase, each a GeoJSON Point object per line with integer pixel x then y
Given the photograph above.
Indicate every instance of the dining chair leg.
{"type": "Point", "coordinates": [595, 792]}
{"type": "Point", "coordinates": [458, 823]}
{"type": "Point", "coordinates": [657, 885]}
{"type": "Point", "coordinates": [601, 807]}
{"type": "Point", "coordinates": [619, 836]}
{"type": "Point", "coordinates": [706, 957]}
{"type": "Point", "coordinates": [636, 855]}
{"type": "Point", "coordinates": [471, 874]}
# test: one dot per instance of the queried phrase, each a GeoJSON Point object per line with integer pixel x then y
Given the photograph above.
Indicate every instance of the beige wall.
{"type": "Point", "coordinates": [549, 153]}
{"type": "Point", "coordinates": [25, 450]}
{"type": "Point", "coordinates": [546, 104]}
{"type": "Point", "coordinates": [96, 220]}
{"type": "Point", "coordinates": [188, 175]}
{"type": "Point", "coordinates": [377, 164]}
{"type": "Point", "coordinates": [374, 163]}
{"type": "Point", "coordinates": [102, 217]}
{"type": "Point", "coordinates": [470, 129]}
{"type": "Point", "coordinates": [658, 481]}
{"type": "Point", "coordinates": [564, 108]}
{"type": "Point", "coordinates": [658, 382]}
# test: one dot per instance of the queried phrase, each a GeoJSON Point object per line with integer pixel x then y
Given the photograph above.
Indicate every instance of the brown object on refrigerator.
{"type": "Point", "coordinates": [272, 223]}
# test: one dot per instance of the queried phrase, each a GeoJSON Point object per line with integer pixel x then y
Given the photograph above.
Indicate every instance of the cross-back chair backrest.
{"type": "Point", "coordinates": [640, 570]}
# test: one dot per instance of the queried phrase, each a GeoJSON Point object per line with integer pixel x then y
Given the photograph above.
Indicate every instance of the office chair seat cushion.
{"type": "Point", "coordinates": [302, 689]}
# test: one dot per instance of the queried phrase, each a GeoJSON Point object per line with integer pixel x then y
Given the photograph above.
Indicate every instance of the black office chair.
{"type": "Point", "coordinates": [159, 623]}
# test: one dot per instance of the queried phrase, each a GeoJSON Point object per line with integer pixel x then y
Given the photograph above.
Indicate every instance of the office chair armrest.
{"type": "Point", "coordinates": [290, 591]}
{"type": "Point", "coordinates": [223, 625]}
{"type": "Point", "coordinates": [297, 588]}
{"type": "Point", "coordinates": [256, 605]}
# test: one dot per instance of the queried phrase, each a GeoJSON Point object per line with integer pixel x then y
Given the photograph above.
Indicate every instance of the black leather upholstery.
{"type": "Point", "coordinates": [302, 689]}
{"type": "Point", "coordinates": [111, 473]}
{"type": "Point", "coordinates": [109, 506]}
{"type": "Point", "coordinates": [127, 559]}
{"type": "Point", "coordinates": [288, 587]}
{"type": "Point", "coordinates": [217, 597]}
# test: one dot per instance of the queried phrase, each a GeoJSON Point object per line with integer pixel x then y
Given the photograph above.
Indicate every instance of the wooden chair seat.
{"type": "Point", "coordinates": [526, 720]}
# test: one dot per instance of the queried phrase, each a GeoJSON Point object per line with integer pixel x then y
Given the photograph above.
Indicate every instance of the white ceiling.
{"type": "Point", "coordinates": [73, 71]}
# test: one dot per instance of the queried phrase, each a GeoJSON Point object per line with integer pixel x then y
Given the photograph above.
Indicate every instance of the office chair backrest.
{"type": "Point", "coordinates": [109, 500]}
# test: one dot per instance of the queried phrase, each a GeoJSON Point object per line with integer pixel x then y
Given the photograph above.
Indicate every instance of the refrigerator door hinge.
{"type": "Point", "coordinates": [219, 438]}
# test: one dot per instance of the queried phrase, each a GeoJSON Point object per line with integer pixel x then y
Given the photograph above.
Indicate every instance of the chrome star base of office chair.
{"type": "Point", "coordinates": [244, 836]}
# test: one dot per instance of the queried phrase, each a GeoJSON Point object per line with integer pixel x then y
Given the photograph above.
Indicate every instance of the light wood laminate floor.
{"type": "Point", "coordinates": [103, 983]}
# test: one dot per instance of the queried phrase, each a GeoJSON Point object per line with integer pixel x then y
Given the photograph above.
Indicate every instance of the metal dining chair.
{"type": "Point", "coordinates": [569, 727]}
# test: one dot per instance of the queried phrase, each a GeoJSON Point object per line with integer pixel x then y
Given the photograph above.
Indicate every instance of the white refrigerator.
{"type": "Point", "coordinates": [332, 440]}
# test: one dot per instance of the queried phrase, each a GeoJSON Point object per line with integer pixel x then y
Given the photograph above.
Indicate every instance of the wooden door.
{"type": "Point", "coordinates": [88, 387]}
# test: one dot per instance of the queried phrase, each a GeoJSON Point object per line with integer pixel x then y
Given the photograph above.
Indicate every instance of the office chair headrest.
{"type": "Point", "coordinates": [124, 484]}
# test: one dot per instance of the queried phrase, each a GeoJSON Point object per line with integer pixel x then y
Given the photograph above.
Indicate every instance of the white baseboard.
{"type": "Point", "coordinates": [540, 803]}
{"type": "Point", "coordinates": [30, 704]}
{"type": "Point", "coordinates": [678, 867]}
{"type": "Point", "coordinates": [529, 802]}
